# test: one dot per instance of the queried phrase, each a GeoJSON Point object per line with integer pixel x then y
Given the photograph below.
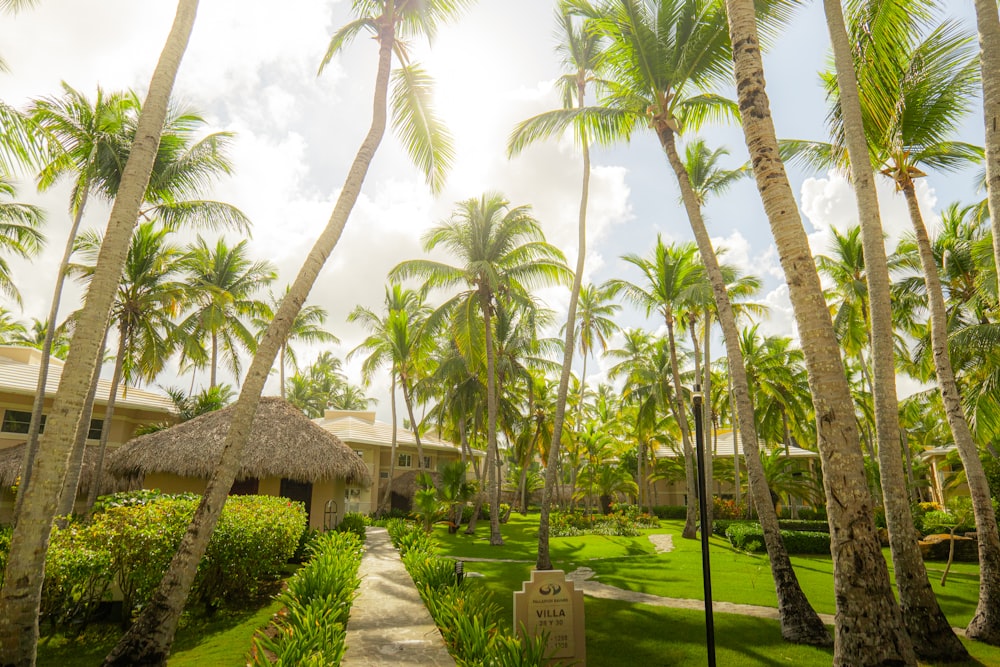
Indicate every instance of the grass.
{"type": "Point", "coordinates": [221, 641]}
{"type": "Point", "coordinates": [661, 635]}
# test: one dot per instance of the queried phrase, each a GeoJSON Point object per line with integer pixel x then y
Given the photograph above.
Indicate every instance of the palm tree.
{"type": "Point", "coordinates": [20, 594]}
{"type": "Point", "coordinates": [19, 234]}
{"type": "Point", "coordinates": [579, 51]}
{"type": "Point", "coordinates": [222, 282]}
{"type": "Point", "coordinates": [501, 249]}
{"type": "Point", "coordinates": [11, 331]}
{"type": "Point", "coordinates": [396, 339]}
{"type": "Point", "coordinates": [869, 625]}
{"type": "Point", "coordinates": [916, 91]}
{"type": "Point", "coordinates": [150, 637]}
{"type": "Point", "coordinates": [147, 300]}
{"type": "Point", "coordinates": [671, 274]}
{"type": "Point", "coordinates": [307, 328]}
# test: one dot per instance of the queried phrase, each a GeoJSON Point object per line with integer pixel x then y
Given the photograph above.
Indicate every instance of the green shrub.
{"type": "Point", "coordinates": [561, 524]}
{"type": "Point", "coordinates": [810, 526]}
{"type": "Point", "coordinates": [5, 534]}
{"type": "Point", "coordinates": [138, 497]}
{"type": "Point", "coordinates": [719, 526]}
{"type": "Point", "coordinates": [77, 576]}
{"type": "Point", "coordinates": [301, 552]}
{"type": "Point", "coordinates": [254, 538]}
{"type": "Point", "coordinates": [749, 537]}
{"type": "Point", "coordinates": [727, 509]}
{"type": "Point", "coordinates": [670, 511]}
{"type": "Point", "coordinates": [353, 523]}
{"type": "Point", "coordinates": [812, 513]}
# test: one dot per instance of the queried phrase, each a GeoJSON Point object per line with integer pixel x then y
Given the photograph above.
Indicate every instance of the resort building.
{"type": "Point", "coordinates": [371, 441]}
{"type": "Point", "coordinates": [19, 368]}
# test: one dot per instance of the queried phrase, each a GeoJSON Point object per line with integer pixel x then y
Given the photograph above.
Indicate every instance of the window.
{"type": "Point", "coordinates": [404, 461]}
{"type": "Point", "coordinates": [427, 462]}
{"type": "Point", "coordinates": [16, 421]}
{"type": "Point", "coordinates": [383, 475]}
{"type": "Point", "coordinates": [95, 429]}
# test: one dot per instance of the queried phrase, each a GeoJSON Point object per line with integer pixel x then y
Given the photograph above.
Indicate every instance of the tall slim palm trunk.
{"type": "Point", "coordinates": [34, 426]}
{"type": "Point", "coordinates": [384, 505]}
{"type": "Point", "coordinates": [929, 630]}
{"type": "Point", "coordinates": [799, 621]}
{"type": "Point", "coordinates": [492, 449]}
{"type": "Point", "coordinates": [408, 399]}
{"type": "Point", "coordinates": [985, 624]}
{"type": "Point", "coordinates": [869, 628]}
{"type": "Point", "coordinates": [680, 414]}
{"type": "Point", "coordinates": [544, 561]}
{"type": "Point", "coordinates": [148, 641]}
{"type": "Point", "coordinates": [988, 24]}
{"type": "Point", "coordinates": [109, 413]}
{"type": "Point", "coordinates": [21, 593]}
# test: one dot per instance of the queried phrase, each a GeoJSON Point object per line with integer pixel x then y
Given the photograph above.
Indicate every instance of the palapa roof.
{"type": "Point", "coordinates": [11, 459]}
{"type": "Point", "coordinates": [283, 443]}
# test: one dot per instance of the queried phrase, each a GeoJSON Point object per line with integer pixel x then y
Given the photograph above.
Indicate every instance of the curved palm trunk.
{"type": "Point", "coordinates": [985, 625]}
{"type": "Point", "coordinates": [392, 450]}
{"type": "Point", "coordinates": [21, 593]}
{"type": "Point", "coordinates": [215, 360]}
{"type": "Point", "coordinates": [869, 628]}
{"type": "Point", "coordinates": [799, 621]}
{"type": "Point", "coordinates": [680, 414]}
{"type": "Point", "coordinates": [148, 641]}
{"type": "Point", "coordinates": [37, 406]}
{"type": "Point", "coordinates": [988, 24]}
{"type": "Point", "coordinates": [281, 371]}
{"type": "Point", "coordinates": [735, 419]}
{"type": "Point", "coordinates": [929, 630]}
{"type": "Point", "coordinates": [493, 451]}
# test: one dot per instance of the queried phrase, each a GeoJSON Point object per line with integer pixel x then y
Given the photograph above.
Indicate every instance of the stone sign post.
{"type": "Point", "coordinates": [550, 603]}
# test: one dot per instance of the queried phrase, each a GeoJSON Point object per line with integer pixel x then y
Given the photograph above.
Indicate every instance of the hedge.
{"type": "Point", "coordinates": [750, 537]}
{"type": "Point", "coordinates": [719, 526]}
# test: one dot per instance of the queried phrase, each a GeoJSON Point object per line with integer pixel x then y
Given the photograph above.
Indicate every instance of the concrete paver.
{"type": "Point", "coordinates": [389, 624]}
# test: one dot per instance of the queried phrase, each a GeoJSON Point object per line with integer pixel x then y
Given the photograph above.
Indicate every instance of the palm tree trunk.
{"type": "Point", "coordinates": [408, 400]}
{"type": "Point", "coordinates": [491, 418]}
{"type": "Point", "coordinates": [392, 450]}
{"type": "Point", "coordinates": [707, 388]}
{"type": "Point", "coordinates": [735, 419]}
{"type": "Point", "coordinates": [109, 413]}
{"type": "Point", "coordinates": [37, 406]}
{"type": "Point", "coordinates": [543, 562]}
{"type": "Point", "coordinates": [148, 641]}
{"type": "Point", "coordinates": [680, 414]}
{"type": "Point", "coordinates": [281, 371]}
{"type": "Point", "coordinates": [985, 625]}
{"type": "Point", "coordinates": [799, 621]}
{"type": "Point", "coordinates": [21, 592]}
{"type": "Point", "coordinates": [929, 630]}
{"type": "Point", "coordinates": [215, 359]}
{"type": "Point", "coordinates": [869, 628]}
{"type": "Point", "coordinates": [988, 23]}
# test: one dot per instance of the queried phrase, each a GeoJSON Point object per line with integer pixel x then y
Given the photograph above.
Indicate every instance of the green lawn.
{"type": "Point", "coordinates": [631, 563]}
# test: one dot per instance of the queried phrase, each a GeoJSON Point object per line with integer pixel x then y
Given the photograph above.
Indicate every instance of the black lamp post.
{"type": "Point", "coordinates": [706, 529]}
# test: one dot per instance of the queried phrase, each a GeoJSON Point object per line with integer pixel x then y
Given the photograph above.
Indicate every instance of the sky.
{"type": "Point", "coordinates": [251, 69]}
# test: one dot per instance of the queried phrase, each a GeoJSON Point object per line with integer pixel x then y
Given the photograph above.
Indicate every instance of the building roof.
{"type": "Point", "coordinates": [19, 368]}
{"type": "Point", "coordinates": [722, 446]}
{"type": "Point", "coordinates": [12, 458]}
{"type": "Point", "coordinates": [361, 427]}
{"type": "Point", "coordinates": [282, 442]}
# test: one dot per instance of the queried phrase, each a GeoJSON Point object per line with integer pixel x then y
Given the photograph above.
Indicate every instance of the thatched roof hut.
{"type": "Point", "coordinates": [11, 459]}
{"type": "Point", "coordinates": [283, 443]}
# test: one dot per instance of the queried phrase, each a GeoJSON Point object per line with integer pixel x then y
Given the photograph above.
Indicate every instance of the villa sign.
{"type": "Point", "coordinates": [550, 603]}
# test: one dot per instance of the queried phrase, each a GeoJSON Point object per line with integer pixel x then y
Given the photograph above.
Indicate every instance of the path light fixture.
{"type": "Point", "coordinates": [706, 529]}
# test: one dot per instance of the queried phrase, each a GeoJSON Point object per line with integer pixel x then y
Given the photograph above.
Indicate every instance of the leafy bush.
{"type": "Point", "coordinates": [750, 537]}
{"type": "Point", "coordinates": [719, 526]}
{"type": "Point", "coordinates": [812, 513]}
{"type": "Point", "coordinates": [353, 523]}
{"type": "Point", "coordinates": [77, 576]}
{"type": "Point", "coordinates": [670, 511]}
{"type": "Point", "coordinates": [812, 526]}
{"type": "Point", "coordinates": [5, 534]}
{"type": "Point", "coordinates": [727, 509]}
{"type": "Point", "coordinates": [562, 524]}
{"type": "Point", "coordinates": [301, 552]}
{"type": "Point", "coordinates": [137, 498]}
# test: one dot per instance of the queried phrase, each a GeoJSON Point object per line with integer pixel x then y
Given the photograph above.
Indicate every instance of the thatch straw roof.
{"type": "Point", "coordinates": [283, 443]}
{"type": "Point", "coordinates": [11, 459]}
{"type": "Point", "coordinates": [406, 484]}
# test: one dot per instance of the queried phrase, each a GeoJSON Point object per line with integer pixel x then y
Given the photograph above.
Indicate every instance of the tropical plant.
{"type": "Point", "coordinates": [501, 249]}
{"type": "Point", "coordinates": [19, 234]}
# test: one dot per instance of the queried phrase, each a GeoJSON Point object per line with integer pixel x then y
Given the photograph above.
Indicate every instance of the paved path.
{"type": "Point", "coordinates": [389, 624]}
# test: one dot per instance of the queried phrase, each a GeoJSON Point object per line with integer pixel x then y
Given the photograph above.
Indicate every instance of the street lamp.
{"type": "Point", "coordinates": [706, 529]}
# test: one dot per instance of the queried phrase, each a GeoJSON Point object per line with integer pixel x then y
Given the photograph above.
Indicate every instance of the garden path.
{"type": "Point", "coordinates": [389, 623]}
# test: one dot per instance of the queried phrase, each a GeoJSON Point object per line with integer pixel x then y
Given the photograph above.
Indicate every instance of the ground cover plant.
{"type": "Point", "coordinates": [632, 564]}
{"type": "Point", "coordinates": [312, 626]}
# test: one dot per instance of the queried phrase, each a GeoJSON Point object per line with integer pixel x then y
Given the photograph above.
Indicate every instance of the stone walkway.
{"type": "Point", "coordinates": [389, 624]}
